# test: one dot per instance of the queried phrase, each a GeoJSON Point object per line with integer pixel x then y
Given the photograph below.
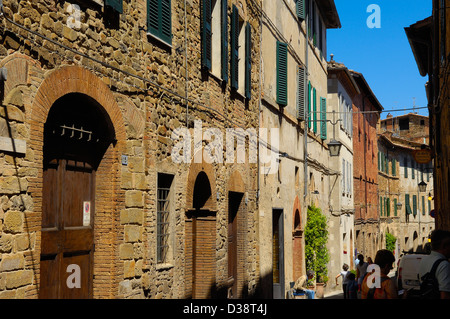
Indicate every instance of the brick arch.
{"type": "Point", "coordinates": [109, 195]}
{"type": "Point", "coordinates": [236, 183]}
{"type": "Point", "coordinates": [194, 170]}
{"type": "Point", "coordinates": [75, 79]}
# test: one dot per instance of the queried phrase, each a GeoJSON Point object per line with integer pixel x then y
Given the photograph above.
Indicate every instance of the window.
{"type": "Point", "coordinates": [159, 19]}
{"type": "Point", "coordinates": [116, 5]}
{"type": "Point", "coordinates": [395, 206]}
{"type": "Point", "coordinates": [314, 111]}
{"type": "Point", "coordinates": [282, 76]}
{"type": "Point", "coordinates": [394, 167]}
{"type": "Point", "coordinates": [301, 75]}
{"type": "Point", "coordinates": [404, 124]}
{"type": "Point", "coordinates": [423, 205]}
{"type": "Point", "coordinates": [323, 118]}
{"type": "Point", "coordinates": [241, 49]}
{"type": "Point", "coordinates": [407, 205]}
{"type": "Point", "coordinates": [406, 167]}
{"type": "Point", "coordinates": [163, 216]}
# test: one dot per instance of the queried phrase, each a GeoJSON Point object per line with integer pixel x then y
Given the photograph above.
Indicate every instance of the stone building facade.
{"type": "Point", "coordinates": [430, 45]}
{"type": "Point", "coordinates": [107, 108]}
{"type": "Point", "coordinates": [366, 115]}
{"type": "Point", "coordinates": [342, 89]}
{"type": "Point", "coordinates": [404, 209]}
{"type": "Point", "coordinates": [294, 93]}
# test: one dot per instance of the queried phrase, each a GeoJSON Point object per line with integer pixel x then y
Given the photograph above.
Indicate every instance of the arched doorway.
{"type": "Point", "coordinates": [77, 133]}
{"type": "Point", "coordinates": [200, 234]}
{"type": "Point", "coordinates": [297, 235]}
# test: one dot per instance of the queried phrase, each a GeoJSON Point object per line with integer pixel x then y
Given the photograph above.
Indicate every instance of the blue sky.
{"type": "Point", "coordinates": [383, 55]}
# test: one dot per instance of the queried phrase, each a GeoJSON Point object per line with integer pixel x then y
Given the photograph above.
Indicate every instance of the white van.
{"type": "Point", "coordinates": [408, 271]}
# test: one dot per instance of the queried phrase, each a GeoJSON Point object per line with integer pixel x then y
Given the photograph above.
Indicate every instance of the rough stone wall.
{"type": "Point", "coordinates": [146, 106]}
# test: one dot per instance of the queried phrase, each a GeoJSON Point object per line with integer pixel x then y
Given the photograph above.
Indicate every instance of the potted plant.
{"type": "Point", "coordinates": [316, 251]}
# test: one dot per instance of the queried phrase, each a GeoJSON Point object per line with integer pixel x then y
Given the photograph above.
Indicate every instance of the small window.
{"type": "Point", "coordinates": [164, 205]}
{"type": "Point", "coordinates": [404, 124]}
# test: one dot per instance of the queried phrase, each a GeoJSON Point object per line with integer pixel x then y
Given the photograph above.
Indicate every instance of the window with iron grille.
{"type": "Point", "coordinates": [163, 216]}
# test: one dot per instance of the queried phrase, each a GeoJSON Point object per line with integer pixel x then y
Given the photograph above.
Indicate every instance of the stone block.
{"type": "Point", "coordinates": [134, 198]}
{"type": "Point", "coordinates": [12, 262]}
{"type": "Point", "coordinates": [16, 279]}
{"type": "Point", "coordinates": [132, 216]}
{"type": "Point", "coordinates": [132, 233]}
{"type": "Point", "coordinates": [126, 251]}
{"type": "Point", "coordinates": [13, 222]}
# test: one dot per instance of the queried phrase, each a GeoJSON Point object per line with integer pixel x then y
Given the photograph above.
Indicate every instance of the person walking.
{"type": "Point", "coordinates": [440, 251]}
{"type": "Point", "coordinates": [343, 274]}
{"type": "Point", "coordinates": [361, 270]}
{"type": "Point", "coordinates": [352, 286]}
{"type": "Point", "coordinates": [386, 290]}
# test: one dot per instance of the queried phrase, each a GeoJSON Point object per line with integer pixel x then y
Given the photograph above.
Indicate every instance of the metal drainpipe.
{"type": "Point", "coordinates": [305, 132]}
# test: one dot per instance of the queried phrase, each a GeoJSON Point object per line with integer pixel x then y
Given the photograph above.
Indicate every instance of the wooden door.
{"type": "Point", "coordinates": [67, 229]}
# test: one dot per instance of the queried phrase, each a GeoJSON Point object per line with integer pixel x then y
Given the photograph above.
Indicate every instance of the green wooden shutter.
{"type": "Point", "coordinates": [224, 50]}
{"type": "Point", "coordinates": [423, 205]}
{"type": "Point", "coordinates": [116, 5]}
{"type": "Point", "coordinates": [234, 48]}
{"type": "Point", "coordinates": [166, 21]}
{"type": "Point", "coordinates": [159, 19]}
{"type": "Point", "coordinates": [248, 61]}
{"type": "Point", "coordinates": [395, 206]}
{"type": "Point", "coordinates": [381, 206]}
{"type": "Point", "coordinates": [301, 74]}
{"type": "Point", "coordinates": [309, 104]}
{"type": "Point", "coordinates": [314, 111]}
{"type": "Point", "coordinates": [407, 204]}
{"type": "Point", "coordinates": [394, 167]}
{"type": "Point", "coordinates": [206, 34]}
{"type": "Point", "coordinates": [323, 118]}
{"type": "Point", "coordinates": [300, 8]}
{"type": "Point", "coordinates": [414, 205]}
{"type": "Point", "coordinates": [281, 73]}
{"type": "Point", "coordinates": [388, 207]}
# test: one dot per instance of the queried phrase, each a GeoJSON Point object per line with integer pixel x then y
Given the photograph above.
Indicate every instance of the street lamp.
{"type": "Point", "coordinates": [334, 146]}
{"type": "Point", "coordinates": [399, 206]}
{"type": "Point", "coordinates": [422, 187]}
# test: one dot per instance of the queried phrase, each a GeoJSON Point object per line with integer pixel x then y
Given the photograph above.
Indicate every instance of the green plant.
{"type": "Point", "coordinates": [316, 238]}
{"type": "Point", "coordinates": [390, 242]}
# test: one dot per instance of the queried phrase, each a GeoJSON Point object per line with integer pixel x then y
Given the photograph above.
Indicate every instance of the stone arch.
{"type": "Point", "coordinates": [109, 196]}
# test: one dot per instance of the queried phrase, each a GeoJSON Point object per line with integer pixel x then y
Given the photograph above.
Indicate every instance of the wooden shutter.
{"type": "Point", "coordinates": [159, 19]}
{"type": "Point", "coordinates": [314, 111]}
{"type": "Point", "coordinates": [323, 118]}
{"type": "Point", "coordinates": [248, 61]}
{"type": "Point", "coordinates": [407, 204]}
{"type": "Point", "coordinates": [300, 8]}
{"type": "Point", "coordinates": [234, 48]}
{"type": "Point", "coordinates": [309, 105]}
{"type": "Point", "coordinates": [395, 206]}
{"type": "Point", "coordinates": [414, 205]}
{"type": "Point", "coordinates": [301, 74]}
{"type": "Point", "coordinates": [281, 73]}
{"type": "Point", "coordinates": [224, 44]}
{"type": "Point", "coordinates": [116, 5]}
{"type": "Point", "coordinates": [206, 34]}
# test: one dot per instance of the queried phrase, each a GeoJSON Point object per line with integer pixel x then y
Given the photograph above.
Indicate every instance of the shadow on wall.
{"type": "Point", "coordinates": [261, 290]}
